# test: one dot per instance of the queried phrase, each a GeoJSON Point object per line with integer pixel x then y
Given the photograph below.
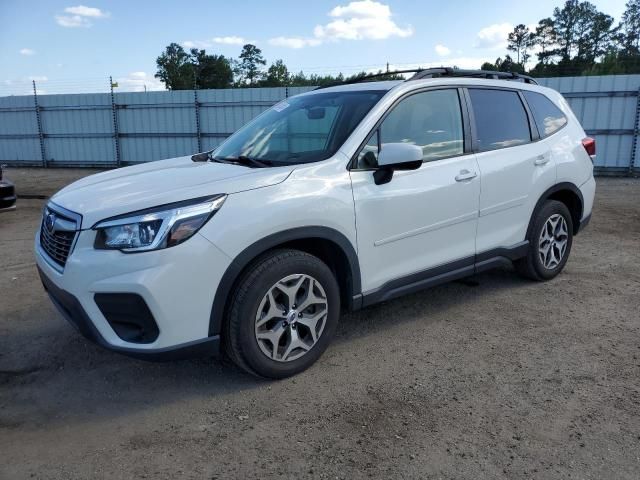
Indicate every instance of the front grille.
{"type": "Point", "coordinates": [57, 234]}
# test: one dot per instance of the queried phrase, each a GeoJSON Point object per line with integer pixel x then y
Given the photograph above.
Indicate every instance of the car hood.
{"type": "Point", "coordinates": [128, 189]}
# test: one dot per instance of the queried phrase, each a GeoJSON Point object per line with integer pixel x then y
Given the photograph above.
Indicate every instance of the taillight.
{"type": "Point", "coordinates": [589, 145]}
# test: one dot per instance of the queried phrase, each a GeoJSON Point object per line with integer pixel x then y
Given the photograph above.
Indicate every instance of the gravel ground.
{"type": "Point", "coordinates": [492, 377]}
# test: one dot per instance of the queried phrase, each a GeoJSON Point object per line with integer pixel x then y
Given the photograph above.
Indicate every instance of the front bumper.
{"type": "Point", "coordinates": [177, 285]}
{"type": "Point", "coordinates": [72, 311]}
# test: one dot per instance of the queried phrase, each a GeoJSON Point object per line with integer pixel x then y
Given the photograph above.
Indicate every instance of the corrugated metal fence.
{"type": "Point", "coordinates": [109, 130]}
{"type": "Point", "coordinates": [609, 109]}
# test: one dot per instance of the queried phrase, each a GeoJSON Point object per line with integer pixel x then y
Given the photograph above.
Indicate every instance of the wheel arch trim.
{"type": "Point", "coordinates": [244, 258]}
{"type": "Point", "coordinates": [558, 187]}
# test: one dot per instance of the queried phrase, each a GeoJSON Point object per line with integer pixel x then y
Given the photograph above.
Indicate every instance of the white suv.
{"type": "Point", "coordinates": [332, 200]}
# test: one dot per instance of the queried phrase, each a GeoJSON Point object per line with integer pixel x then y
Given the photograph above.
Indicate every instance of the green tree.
{"type": "Point", "coordinates": [248, 67]}
{"type": "Point", "coordinates": [277, 75]}
{"type": "Point", "coordinates": [180, 70]}
{"type": "Point", "coordinates": [598, 38]}
{"type": "Point", "coordinates": [211, 71]}
{"type": "Point", "coordinates": [630, 27]}
{"type": "Point", "coordinates": [489, 66]}
{"type": "Point", "coordinates": [520, 40]}
{"type": "Point", "coordinates": [175, 68]}
{"type": "Point", "coordinates": [508, 65]}
{"type": "Point", "coordinates": [565, 22]}
{"type": "Point", "coordinates": [545, 37]}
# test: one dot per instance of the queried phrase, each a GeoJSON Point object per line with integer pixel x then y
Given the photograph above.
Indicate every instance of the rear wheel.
{"type": "Point", "coordinates": [283, 314]}
{"type": "Point", "coordinates": [550, 239]}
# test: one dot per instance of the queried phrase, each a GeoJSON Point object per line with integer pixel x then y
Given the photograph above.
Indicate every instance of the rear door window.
{"type": "Point", "coordinates": [501, 120]}
{"type": "Point", "coordinates": [549, 118]}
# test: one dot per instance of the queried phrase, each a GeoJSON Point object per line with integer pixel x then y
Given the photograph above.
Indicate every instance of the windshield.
{"type": "Point", "coordinates": [301, 129]}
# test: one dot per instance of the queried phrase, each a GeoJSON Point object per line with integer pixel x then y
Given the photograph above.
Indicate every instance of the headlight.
{"type": "Point", "coordinates": [155, 228]}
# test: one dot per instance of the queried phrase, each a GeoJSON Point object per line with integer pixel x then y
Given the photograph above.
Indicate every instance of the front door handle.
{"type": "Point", "coordinates": [542, 160]}
{"type": "Point", "coordinates": [465, 175]}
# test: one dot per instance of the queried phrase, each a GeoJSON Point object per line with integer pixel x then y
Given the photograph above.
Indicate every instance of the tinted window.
{"type": "Point", "coordinates": [549, 119]}
{"type": "Point", "coordinates": [501, 120]}
{"type": "Point", "coordinates": [432, 120]}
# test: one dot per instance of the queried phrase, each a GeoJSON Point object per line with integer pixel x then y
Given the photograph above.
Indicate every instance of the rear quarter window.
{"type": "Point", "coordinates": [549, 118]}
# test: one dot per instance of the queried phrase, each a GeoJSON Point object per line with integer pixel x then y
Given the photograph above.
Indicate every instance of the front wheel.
{"type": "Point", "coordinates": [283, 314]}
{"type": "Point", "coordinates": [550, 240]}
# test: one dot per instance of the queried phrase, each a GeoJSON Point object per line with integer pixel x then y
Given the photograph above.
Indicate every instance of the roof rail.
{"type": "Point", "coordinates": [421, 73]}
{"type": "Point", "coordinates": [362, 78]}
{"type": "Point", "coordinates": [455, 72]}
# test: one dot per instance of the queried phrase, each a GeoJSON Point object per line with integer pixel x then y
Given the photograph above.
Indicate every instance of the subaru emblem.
{"type": "Point", "coordinates": [50, 221]}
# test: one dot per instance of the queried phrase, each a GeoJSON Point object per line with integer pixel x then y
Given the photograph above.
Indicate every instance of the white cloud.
{"type": "Point", "coordinates": [359, 20]}
{"type": "Point", "coordinates": [72, 21]}
{"type": "Point", "coordinates": [365, 19]}
{"type": "Point", "coordinates": [27, 51]}
{"type": "Point", "coordinates": [364, 8]}
{"type": "Point", "coordinates": [139, 82]}
{"type": "Point", "coordinates": [195, 44]}
{"type": "Point", "coordinates": [229, 40]}
{"type": "Point", "coordinates": [87, 11]}
{"type": "Point", "coordinates": [494, 36]}
{"type": "Point", "coordinates": [442, 51]}
{"type": "Point", "coordinates": [294, 42]}
{"type": "Point", "coordinates": [79, 16]}
{"type": "Point", "coordinates": [37, 78]}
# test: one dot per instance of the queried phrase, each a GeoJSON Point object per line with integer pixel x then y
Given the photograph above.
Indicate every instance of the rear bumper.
{"type": "Point", "coordinates": [588, 190]}
{"type": "Point", "coordinates": [72, 310]}
{"type": "Point", "coordinates": [583, 223]}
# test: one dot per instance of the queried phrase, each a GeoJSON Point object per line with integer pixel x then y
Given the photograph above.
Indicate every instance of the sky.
{"type": "Point", "coordinates": [72, 47]}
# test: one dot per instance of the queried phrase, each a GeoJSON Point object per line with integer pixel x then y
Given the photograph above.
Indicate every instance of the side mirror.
{"type": "Point", "coordinates": [396, 156]}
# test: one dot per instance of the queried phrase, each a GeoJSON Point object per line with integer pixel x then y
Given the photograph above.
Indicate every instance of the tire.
{"type": "Point", "coordinates": [263, 309]}
{"type": "Point", "coordinates": [551, 230]}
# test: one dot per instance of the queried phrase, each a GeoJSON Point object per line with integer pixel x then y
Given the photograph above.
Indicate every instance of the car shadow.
{"type": "Point", "coordinates": [50, 370]}
{"type": "Point", "coordinates": [427, 306]}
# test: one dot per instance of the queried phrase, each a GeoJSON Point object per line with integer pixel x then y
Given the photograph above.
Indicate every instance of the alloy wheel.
{"type": "Point", "coordinates": [553, 241]}
{"type": "Point", "coordinates": [291, 317]}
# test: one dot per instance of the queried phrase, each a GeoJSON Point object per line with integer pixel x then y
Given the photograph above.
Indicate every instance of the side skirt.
{"type": "Point", "coordinates": [442, 274]}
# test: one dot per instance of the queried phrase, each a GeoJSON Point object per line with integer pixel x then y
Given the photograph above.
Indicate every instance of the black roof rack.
{"type": "Point", "coordinates": [421, 73]}
{"type": "Point", "coordinates": [455, 72]}
{"type": "Point", "coordinates": [362, 78]}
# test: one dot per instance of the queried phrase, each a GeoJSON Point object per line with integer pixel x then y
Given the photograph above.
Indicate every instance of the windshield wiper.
{"type": "Point", "coordinates": [244, 160]}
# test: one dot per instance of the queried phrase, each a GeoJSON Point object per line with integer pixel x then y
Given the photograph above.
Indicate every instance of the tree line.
{"type": "Point", "coordinates": [180, 69]}
{"type": "Point", "coordinates": [577, 39]}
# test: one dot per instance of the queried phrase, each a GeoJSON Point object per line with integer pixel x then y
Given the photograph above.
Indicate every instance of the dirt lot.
{"type": "Point", "coordinates": [494, 378]}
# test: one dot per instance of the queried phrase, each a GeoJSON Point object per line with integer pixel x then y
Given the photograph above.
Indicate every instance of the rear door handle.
{"type": "Point", "coordinates": [542, 160]}
{"type": "Point", "coordinates": [465, 175]}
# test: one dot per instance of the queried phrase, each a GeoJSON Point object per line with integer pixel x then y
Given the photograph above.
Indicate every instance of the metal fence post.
{"type": "Point", "coordinates": [634, 142]}
{"type": "Point", "coordinates": [197, 112]}
{"type": "Point", "coordinates": [43, 155]}
{"type": "Point", "coordinates": [116, 132]}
